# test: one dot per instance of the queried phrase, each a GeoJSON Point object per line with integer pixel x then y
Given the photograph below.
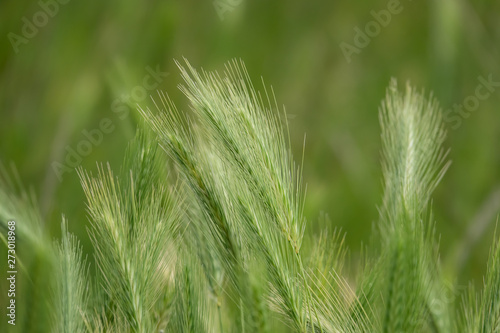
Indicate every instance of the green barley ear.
{"type": "Point", "coordinates": [133, 220]}
{"type": "Point", "coordinates": [413, 159]}
{"type": "Point", "coordinates": [72, 287]}
{"type": "Point", "coordinates": [249, 137]}
{"type": "Point", "coordinates": [413, 163]}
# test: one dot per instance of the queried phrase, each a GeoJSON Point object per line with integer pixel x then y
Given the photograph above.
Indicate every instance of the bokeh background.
{"type": "Point", "coordinates": [87, 61]}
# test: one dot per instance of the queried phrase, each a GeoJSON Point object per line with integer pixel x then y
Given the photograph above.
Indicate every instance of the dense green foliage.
{"type": "Point", "coordinates": [203, 230]}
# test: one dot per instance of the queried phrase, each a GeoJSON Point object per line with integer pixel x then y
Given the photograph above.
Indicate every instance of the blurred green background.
{"type": "Point", "coordinates": [86, 61]}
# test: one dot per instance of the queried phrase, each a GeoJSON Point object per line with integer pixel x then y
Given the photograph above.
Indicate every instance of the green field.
{"type": "Point", "coordinates": [73, 75]}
